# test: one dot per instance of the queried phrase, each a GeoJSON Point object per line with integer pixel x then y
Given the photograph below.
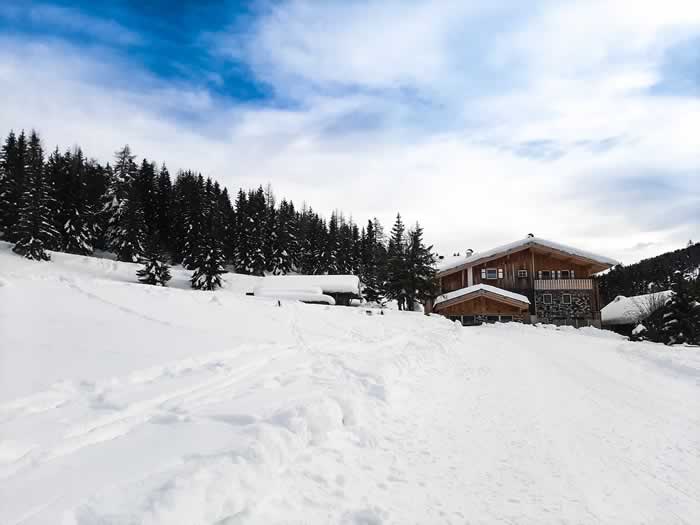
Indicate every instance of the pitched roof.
{"type": "Point", "coordinates": [481, 288]}
{"type": "Point", "coordinates": [455, 262]}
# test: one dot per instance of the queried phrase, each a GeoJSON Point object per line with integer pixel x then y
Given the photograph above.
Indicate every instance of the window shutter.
{"type": "Point", "coordinates": [557, 274]}
{"type": "Point", "coordinates": [483, 273]}
{"type": "Point", "coordinates": [539, 274]}
{"type": "Point", "coordinates": [500, 273]}
{"type": "Point", "coordinates": [572, 274]}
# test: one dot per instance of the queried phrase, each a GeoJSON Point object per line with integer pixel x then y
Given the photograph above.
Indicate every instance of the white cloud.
{"type": "Point", "coordinates": [70, 19]}
{"type": "Point", "coordinates": [570, 77]}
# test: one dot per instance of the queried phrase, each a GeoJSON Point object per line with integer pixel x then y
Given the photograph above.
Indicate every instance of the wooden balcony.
{"type": "Point", "coordinates": [563, 284]}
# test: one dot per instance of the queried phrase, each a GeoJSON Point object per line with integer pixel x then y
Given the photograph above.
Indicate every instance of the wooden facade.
{"type": "Point", "coordinates": [531, 259]}
{"type": "Point", "coordinates": [550, 279]}
{"type": "Point", "coordinates": [483, 305]}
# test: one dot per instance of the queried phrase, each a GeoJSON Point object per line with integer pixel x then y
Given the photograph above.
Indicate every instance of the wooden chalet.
{"type": "Point", "coordinates": [531, 280]}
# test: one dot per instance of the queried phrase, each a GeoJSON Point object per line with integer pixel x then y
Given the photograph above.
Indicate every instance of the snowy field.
{"type": "Point", "coordinates": [127, 404]}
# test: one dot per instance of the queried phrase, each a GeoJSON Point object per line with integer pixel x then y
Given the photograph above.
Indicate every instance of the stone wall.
{"type": "Point", "coordinates": [580, 307]}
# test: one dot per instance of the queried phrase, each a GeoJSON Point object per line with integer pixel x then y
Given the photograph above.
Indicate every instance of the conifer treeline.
{"type": "Point", "coordinates": [69, 202]}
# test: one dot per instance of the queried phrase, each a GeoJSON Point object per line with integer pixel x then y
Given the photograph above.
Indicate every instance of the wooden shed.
{"type": "Point", "coordinates": [482, 303]}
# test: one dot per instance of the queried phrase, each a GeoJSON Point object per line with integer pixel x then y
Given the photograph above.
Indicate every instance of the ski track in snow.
{"type": "Point", "coordinates": [247, 413]}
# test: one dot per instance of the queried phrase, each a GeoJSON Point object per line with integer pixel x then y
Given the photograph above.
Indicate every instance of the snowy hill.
{"type": "Point", "coordinates": [127, 404]}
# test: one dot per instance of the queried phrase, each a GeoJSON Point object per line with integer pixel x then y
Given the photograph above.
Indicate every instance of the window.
{"type": "Point", "coordinates": [491, 318]}
{"type": "Point", "coordinates": [453, 317]}
{"type": "Point", "coordinates": [566, 298]}
{"type": "Point", "coordinates": [468, 320]}
{"type": "Point", "coordinates": [565, 274]}
{"type": "Point", "coordinates": [492, 273]}
{"type": "Point", "coordinates": [545, 274]}
{"type": "Point", "coordinates": [547, 298]}
{"type": "Point", "coordinates": [506, 318]}
{"type": "Point", "coordinates": [522, 273]}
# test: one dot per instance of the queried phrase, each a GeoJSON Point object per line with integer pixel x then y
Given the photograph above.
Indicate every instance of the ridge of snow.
{"type": "Point", "coordinates": [454, 262]}
{"type": "Point", "coordinates": [627, 310]}
{"type": "Point", "coordinates": [485, 287]}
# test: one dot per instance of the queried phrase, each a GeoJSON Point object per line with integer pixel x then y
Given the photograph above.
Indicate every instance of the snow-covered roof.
{"type": "Point", "coordinates": [327, 283]}
{"type": "Point", "coordinates": [307, 296]}
{"type": "Point", "coordinates": [453, 262]}
{"type": "Point", "coordinates": [628, 310]}
{"type": "Point", "coordinates": [481, 287]}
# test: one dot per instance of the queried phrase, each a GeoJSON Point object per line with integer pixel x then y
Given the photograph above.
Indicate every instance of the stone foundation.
{"type": "Point", "coordinates": [580, 307]}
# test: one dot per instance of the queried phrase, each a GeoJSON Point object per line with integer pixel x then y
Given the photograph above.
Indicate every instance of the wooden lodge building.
{"type": "Point", "coordinates": [531, 280]}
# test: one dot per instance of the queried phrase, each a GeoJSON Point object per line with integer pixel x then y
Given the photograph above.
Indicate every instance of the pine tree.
{"type": "Point", "coordinates": [284, 255]}
{"type": "Point", "coordinates": [208, 265]}
{"type": "Point", "coordinates": [420, 269]}
{"type": "Point", "coordinates": [372, 265]}
{"type": "Point", "coordinates": [146, 189]}
{"type": "Point", "coordinates": [13, 161]}
{"type": "Point", "coordinates": [682, 316]}
{"type": "Point", "coordinates": [193, 219]}
{"type": "Point", "coordinates": [6, 154]}
{"type": "Point", "coordinates": [75, 217]}
{"type": "Point", "coordinates": [356, 250]}
{"type": "Point", "coordinates": [331, 245]}
{"type": "Point", "coordinates": [155, 271]}
{"type": "Point", "coordinates": [34, 231]}
{"type": "Point", "coordinates": [242, 238]}
{"type": "Point", "coordinates": [269, 239]}
{"type": "Point", "coordinates": [228, 226]}
{"type": "Point", "coordinates": [163, 204]}
{"type": "Point", "coordinates": [345, 262]}
{"type": "Point", "coordinates": [396, 264]}
{"type": "Point", "coordinates": [311, 234]}
{"type": "Point", "coordinates": [126, 228]}
{"type": "Point", "coordinates": [251, 213]}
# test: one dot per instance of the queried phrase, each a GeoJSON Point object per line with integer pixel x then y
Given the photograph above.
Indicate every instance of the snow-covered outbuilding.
{"type": "Point", "coordinates": [322, 289]}
{"type": "Point", "coordinates": [482, 300]}
{"type": "Point", "coordinates": [632, 310]}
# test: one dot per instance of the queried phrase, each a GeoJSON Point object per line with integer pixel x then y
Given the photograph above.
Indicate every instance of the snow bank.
{"type": "Point", "coordinates": [481, 287]}
{"type": "Point", "coordinates": [629, 310]}
{"type": "Point", "coordinates": [453, 262]}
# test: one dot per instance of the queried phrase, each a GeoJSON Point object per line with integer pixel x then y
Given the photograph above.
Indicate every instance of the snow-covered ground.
{"type": "Point", "coordinates": [127, 404]}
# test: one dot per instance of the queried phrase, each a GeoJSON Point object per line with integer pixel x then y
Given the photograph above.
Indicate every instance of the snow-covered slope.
{"type": "Point", "coordinates": [127, 404]}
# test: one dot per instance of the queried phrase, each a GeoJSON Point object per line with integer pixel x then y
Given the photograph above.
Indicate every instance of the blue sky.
{"type": "Point", "coordinates": [578, 120]}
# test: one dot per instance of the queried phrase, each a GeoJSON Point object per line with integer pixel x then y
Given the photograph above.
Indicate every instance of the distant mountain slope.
{"type": "Point", "coordinates": [649, 275]}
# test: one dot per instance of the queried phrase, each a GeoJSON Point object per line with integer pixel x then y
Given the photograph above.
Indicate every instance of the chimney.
{"type": "Point", "coordinates": [469, 252]}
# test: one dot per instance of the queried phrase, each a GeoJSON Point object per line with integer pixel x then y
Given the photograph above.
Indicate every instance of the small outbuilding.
{"type": "Point", "coordinates": [315, 289]}
{"type": "Point", "coordinates": [482, 303]}
{"type": "Point", "coordinates": [622, 314]}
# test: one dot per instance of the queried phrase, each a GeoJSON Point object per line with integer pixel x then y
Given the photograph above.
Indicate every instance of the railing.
{"type": "Point", "coordinates": [564, 284]}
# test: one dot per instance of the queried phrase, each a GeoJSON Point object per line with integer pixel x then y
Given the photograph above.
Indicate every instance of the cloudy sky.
{"type": "Point", "coordinates": [576, 120]}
